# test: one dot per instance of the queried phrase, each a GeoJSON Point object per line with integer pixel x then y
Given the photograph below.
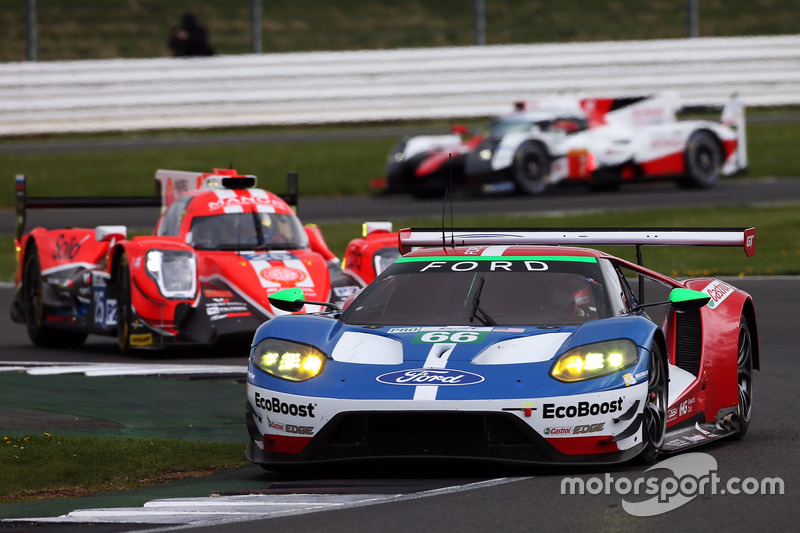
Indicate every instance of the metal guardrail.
{"type": "Point", "coordinates": [380, 85]}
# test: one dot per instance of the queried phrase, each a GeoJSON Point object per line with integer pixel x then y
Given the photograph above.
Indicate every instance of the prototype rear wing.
{"type": "Point", "coordinates": [169, 185]}
{"type": "Point", "coordinates": [22, 202]}
{"type": "Point", "coordinates": [409, 238]}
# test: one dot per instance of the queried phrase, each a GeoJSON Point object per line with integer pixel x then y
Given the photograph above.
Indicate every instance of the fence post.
{"type": "Point", "coordinates": [480, 23]}
{"type": "Point", "coordinates": [31, 30]}
{"type": "Point", "coordinates": [256, 25]}
{"type": "Point", "coordinates": [693, 18]}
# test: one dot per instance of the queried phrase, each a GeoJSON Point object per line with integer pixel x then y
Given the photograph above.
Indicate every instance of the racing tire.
{"type": "Point", "coordinates": [744, 364]}
{"type": "Point", "coordinates": [531, 168]}
{"type": "Point", "coordinates": [703, 159]}
{"type": "Point", "coordinates": [124, 309]}
{"type": "Point", "coordinates": [33, 308]}
{"type": "Point", "coordinates": [654, 424]}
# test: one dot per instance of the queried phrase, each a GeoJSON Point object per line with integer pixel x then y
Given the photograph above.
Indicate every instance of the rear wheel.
{"type": "Point", "coordinates": [33, 308]}
{"type": "Point", "coordinates": [745, 378]}
{"type": "Point", "coordinates": [531, 168]}
{"type": "Point", "coordinates": [124, 311]}
{"type": "Point", "coordinates": [655, 409]}
{"type": "Point", "coordinates": [703, 161]}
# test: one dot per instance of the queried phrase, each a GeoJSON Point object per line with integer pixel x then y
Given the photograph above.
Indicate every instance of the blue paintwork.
{"type": "Point", "coordinates": [523, 381]}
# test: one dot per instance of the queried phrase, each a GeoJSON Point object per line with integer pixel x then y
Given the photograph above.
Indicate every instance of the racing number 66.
{"type": "Point", "coordinates": [450, 336]}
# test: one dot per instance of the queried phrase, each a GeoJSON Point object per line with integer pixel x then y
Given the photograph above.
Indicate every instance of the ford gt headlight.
{"type": "Point", "coordinates": [485, 154]}
{"type": "Point", "coordinates": [288, 360]}
{"type": "Point", "coordinates": [595, 360]}
{"type": "Point", "coordinates": [174, 271]}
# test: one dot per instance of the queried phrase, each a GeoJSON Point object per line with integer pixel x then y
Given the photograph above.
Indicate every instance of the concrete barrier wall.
{"type": "Point", "coordinates": [380, 85]}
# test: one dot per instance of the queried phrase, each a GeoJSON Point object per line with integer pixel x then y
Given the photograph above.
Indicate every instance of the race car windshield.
{"type": "Point", "coordinates": [248, 231]}
{"type": "Point", "coordinates": [467, 292]}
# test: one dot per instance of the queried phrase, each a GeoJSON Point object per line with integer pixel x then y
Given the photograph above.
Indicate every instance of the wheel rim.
{"type": "Point", "coordinates": [705, 162]}
{"type": "Point", "coordinates": [655, 413]}
{"type": "Point", "coordinates": [745, 370]}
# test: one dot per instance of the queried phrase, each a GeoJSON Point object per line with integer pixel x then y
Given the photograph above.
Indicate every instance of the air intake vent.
{"type": "Point", "coordinates": [689, 341]}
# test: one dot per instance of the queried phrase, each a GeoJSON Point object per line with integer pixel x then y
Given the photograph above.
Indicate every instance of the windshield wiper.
{"type": "Point", "coordinates": [476, 308]}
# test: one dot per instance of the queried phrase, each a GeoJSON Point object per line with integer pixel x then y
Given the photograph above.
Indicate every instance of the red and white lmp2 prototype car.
{"type": "Point", "coordinates": [600, 142]}
{"type": "Point", "coordinates": [219, 249]}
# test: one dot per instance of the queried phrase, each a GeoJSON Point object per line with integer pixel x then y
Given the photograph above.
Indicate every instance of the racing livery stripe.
{"type": "Point", "coordinates": [459, 258]}
{"type": "Point", "coordinates": [494, 250]}
{"type": "Point", "coordinates": [437, 358]}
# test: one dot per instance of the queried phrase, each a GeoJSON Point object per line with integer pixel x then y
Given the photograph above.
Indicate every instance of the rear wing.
{"type": "Point", "coordinates": [22, 202]}
{"type": "Point", "coordinates": [165, 194]}
{"type": "Point", "coordinates": [409, 238]}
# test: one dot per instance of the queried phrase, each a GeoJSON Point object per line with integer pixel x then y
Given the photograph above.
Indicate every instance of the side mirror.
{"type": "Point", "coordinates": [291, 300]}
{"type": "Point", "coordinates": [683, 300]}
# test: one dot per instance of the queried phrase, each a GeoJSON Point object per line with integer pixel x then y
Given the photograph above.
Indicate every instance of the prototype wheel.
{"type": "Point", "coordinates": [703, 161]}
{"type": "Point", "coordinates": [531, 168]}
{"type": "Point", "coordinates": [33, 308]}
{"type": "Point", "coordinates": [655, 409]}
{"type": "Point", "coordinates": [745, 372]}
{"type": "Point", "coordinates": [124, 312]}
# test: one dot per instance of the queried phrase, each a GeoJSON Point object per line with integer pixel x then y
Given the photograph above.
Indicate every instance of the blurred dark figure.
{"type": "Point", "coordinates": [189, 38]}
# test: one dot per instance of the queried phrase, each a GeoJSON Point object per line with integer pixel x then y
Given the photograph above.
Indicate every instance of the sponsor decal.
{"type": "Point", "coordinates": [459, 337]}
{"type": "Point", "coordinates": [239, 201]}
{"type": "Point", "coordinates": [588, 428]}
{"type": "Point", "coordinates": [217, 293]}
{"type": "Point", "coordinates": [403, 330]}
{"type": "Point", "coordinates": [717, 290]}
{"type": "Point", "coordinates": [299, 430]}
{"type": "Point", "coordinates": [275, 405]}
{"type": "Point", "coordinates": [214, 309]}
{"type": "Point", "coordinates": [509, 330]}
{"type": "Point", "coordinates": [551, 410]}
{"type": "Point", "coordinates": [641, 375]}
{"type": "Point", "coordinates": [344, 292]}
{"type": "Point", "coordinates": [141, 339]}
{"type": "Point", "coordinates": [466, 266]}
{"type": "Point", "coordinates": [429, 376]}
{"type": "Point", "coordinates": [283, 274]}
{"type": "Point", "coordinates": [66, 248]}
{"type": "Point", "coordinates": [672, 413]}
{"type": "Point", "coordinates": [558, 431]}
{"type": "Point", "coordinates": [275, 425]}
{"type": "Point", "coordinates": [677, 443]}
{"type": "Point", "coordinates": [686, 407]}
{"type": "Point", "coordinates": [629, 379]}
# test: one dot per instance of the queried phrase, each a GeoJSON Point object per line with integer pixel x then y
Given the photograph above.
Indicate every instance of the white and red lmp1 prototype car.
{"type": "Point", "coordinates": [219, 249]}
{"type": "Point", "coordinates": [600, 142]}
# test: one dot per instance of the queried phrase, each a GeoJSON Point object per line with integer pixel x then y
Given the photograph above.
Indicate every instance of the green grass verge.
{"type": "Point", "coordinates": [777, 237]}
{"type": "Point", "coordinates": [45, 466]}
{"type": "Point", "coordinates": [326, 167]}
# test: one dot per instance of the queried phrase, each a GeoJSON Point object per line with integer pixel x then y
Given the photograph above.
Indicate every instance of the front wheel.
{"type": "Point", "coordinates": [655, 409]}
{"type": "Point", "coordinates": [703, 159]}
{"type": "Point", "coordinates": [124, 311]}
{"type": "Point", "coordinates": [744, 366]}
{"type": "Point", "coordinates": [531, 168]}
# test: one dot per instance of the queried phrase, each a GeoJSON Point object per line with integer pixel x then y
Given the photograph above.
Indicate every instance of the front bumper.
{"type": "Point", "coordinates": [288, 431]}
